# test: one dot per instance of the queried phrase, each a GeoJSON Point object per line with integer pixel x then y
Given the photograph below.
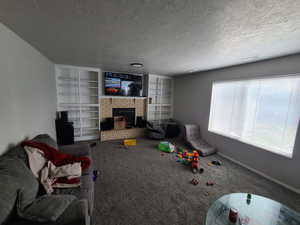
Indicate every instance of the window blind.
{"type": "Point", "coordinates": [261, 112]}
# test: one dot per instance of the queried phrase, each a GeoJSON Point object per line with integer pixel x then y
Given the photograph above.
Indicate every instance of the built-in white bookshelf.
{"type": "Point", "coordinates": [78, 91]}
{"type": "Point", "coordinates": [160, 98]}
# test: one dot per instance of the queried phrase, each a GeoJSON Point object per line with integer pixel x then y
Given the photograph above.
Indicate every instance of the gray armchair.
{"type": "Point", "coordinates": [193, 138]}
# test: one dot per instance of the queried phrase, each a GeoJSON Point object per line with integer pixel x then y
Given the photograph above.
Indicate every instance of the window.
{"type": "Point", "coordinates": [261, 112]}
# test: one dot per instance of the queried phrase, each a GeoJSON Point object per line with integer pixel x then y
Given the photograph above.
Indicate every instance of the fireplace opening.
{"type": "Point", "coordinates": [127, 113]}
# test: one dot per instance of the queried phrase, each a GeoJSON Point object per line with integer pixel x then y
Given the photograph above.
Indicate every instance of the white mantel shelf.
{"type": "Point", "coordinates": [125, 97]}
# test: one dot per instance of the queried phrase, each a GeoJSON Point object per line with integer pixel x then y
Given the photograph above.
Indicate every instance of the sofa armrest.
{"type": "Point", "coordinates": [76, 149]}
{"type": "Point", "coordinates": [75, 214]}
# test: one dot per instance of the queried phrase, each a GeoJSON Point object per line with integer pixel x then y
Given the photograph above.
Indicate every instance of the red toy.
{"type": "Point", "coordinates": [195, 162]}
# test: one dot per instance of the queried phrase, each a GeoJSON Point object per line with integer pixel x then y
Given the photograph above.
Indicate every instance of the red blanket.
{"type": "Point", "coordinates": [59, 159]}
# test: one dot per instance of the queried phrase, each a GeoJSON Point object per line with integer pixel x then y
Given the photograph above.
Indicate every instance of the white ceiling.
{"type": "Point", "coordinates": [169, 36]}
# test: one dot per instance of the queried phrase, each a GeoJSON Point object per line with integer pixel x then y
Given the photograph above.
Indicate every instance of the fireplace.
{"type": "Point", "coordinates": [127, 113]}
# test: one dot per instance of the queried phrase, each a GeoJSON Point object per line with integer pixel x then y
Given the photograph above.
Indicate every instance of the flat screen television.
{"type": "Point", "coordinates": [121, 84]}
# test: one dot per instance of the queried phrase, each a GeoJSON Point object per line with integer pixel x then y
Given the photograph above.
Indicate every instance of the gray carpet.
{"type": "Point", "coordinates": [140, 186]}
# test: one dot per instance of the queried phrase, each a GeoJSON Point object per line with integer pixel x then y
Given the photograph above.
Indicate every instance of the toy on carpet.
{"type": "Point", "coordinates": [187, 158]}
{"type": "Point", "coordinates": [216, 163]}
{"type": "Point", "coordinates": [201, 170]}
{"type": "Point", "coordinates": [184, 157]}
{"type": "Point", "coordinates": [95, 175]}
{"type": "Point", "coordinates": [180, 150]}
{"type": "Point", "coordinates": [166, 146]}
{"type": "Point", "coordinates": [209, 183]}
{"type": "Point", "coordinates": [194, 181]}
{"type": "Point", "coordinates": [129, 142]}
{"type": "Point", "coordinates": [195, 162]}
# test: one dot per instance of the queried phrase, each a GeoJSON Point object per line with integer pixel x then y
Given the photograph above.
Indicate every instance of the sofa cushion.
{"type": "Point", "coordinates": [85, 191]}
{"type": "Point", "coordinates": [20, 184]}
{"type": "Point", "coordinates": [75, 214]}
{"type": "Point", "coordinates": [47, 208]}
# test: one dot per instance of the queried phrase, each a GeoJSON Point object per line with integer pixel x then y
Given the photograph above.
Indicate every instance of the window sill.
{"type": "Point", "coordinates": [289, 156]}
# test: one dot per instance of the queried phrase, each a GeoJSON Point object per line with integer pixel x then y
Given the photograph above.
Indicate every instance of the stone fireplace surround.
{"type": "Point", "coordinates": [107, 104]}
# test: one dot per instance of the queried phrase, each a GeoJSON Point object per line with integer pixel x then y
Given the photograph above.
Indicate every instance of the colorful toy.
{"type": "Point", "coordinates": [187, 158]}
{"type": "Point", "coordinates": [195, 162]}
{"type": "Point", "coordinates": [165, 146]}
{"type": "Point", "coordinates": [129, 142]}
{"type": "Point", "coordinates": [179, 149]}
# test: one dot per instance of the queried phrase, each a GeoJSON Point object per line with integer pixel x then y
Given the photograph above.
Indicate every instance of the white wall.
{"type": "Point", "coordinates": [27, 90]}
{"type": "Point", "coordinates": [192, 105]}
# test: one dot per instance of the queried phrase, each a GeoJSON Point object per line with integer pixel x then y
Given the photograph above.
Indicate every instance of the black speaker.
{"type": "Point", "coordinates": [107, 124]}
{"type": "Point", "coordinates": [64, 129]}
{"type": "Point", "coordinates": [172, 130]}
{"type": "Point", "coordinates": [64, 116]}
{"type": "Point", "coordinates": [140, 122]}
{"type": "Point", "coordinates": [64, 132]}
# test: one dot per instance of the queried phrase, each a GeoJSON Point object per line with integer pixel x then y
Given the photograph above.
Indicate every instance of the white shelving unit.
{"type": "Point", "coordinates": [78, 90]}
{"type": "Point", "coordinates": [160, 98]}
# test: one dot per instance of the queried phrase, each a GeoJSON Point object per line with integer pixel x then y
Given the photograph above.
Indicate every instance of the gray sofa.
{"type": "Point", "coordinates": [17, 181]}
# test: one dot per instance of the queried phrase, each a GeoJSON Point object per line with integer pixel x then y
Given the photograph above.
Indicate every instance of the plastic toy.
{"type": "Point", "coordinates": [194, 181]}
{"type": "Point", "coordinates": [95, 175]}
{"type": "Point", "coordinates": [195, 162]}
{"type": "Point", "coordinates": [187, 158]}
{"type": "Point", "coordinates": [184, 157]}
{"type": "Point", "coordinates": [129, 142]}
{"type": "Point", "coordinates": [209, 183]}
{"type": "Point", "coordinates": [165, 146]}
{"type": "Point", "coordinates": [216, 163]}
{"type": "Point", "coordinates": [180, 150]}
{"type": "Point", "coordinates": [201, 170]}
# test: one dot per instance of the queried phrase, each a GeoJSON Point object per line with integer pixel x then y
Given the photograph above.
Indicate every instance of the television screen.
{"type": "Point", "coordinates": [112, 86]}
{"type": "Point", "coordinates": [123, 84]}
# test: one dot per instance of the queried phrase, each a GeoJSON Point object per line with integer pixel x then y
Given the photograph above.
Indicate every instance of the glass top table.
{"type": "Point", "coordinates": [252, 210]}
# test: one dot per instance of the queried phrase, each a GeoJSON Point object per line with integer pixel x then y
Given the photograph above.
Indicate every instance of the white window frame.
{"type": "Point", "coordinates": [263, 147]}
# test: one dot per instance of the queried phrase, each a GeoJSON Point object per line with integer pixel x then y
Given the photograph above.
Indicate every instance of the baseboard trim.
{"type": "Point", "coordinates": [261, 173]}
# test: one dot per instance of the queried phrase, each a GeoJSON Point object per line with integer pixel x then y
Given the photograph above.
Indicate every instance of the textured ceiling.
{"type": "Point", "coordinates": [168, 36]}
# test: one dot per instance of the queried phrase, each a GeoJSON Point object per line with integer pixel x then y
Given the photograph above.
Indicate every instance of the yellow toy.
{"type": "Point", "coordinates": [129, 142]}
